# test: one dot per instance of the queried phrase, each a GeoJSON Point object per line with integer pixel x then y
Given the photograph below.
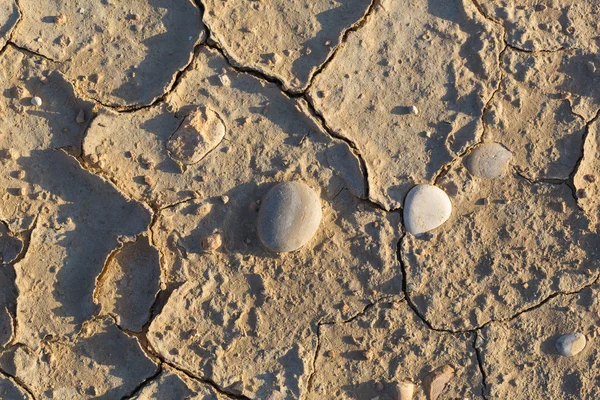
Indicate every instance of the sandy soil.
{"type": "Point", "coordinates": [144, 233]}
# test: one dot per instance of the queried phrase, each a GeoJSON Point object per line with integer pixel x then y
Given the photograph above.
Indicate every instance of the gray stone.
{"type": "Point", "coordinates": [489, 161]}
{"type": "Point", "coordinates": [571, 344]}
{"type": "Point", "coordinates": [289, 216]}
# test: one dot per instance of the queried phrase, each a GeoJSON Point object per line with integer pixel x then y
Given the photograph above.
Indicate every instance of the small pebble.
{"type": "Point", "coordinates": [489, 160]}
{"type": "Point", "coordinates": [60, 19]}
{"type": "Point", "coordinates": [225, 199]}
{"type": "Point", "coordinates": [211, 242]}
{"type": "Point", "coordinates": [36, 101]}
{"type": "Point", "coordinates": [224, 79]}
{"type": "Point", "coordinates": [405, 391]}
{"type": "Point", "coordinates": [80, 117]}
{"type": "Point", "coordinates": [571, 344]}
{"type": "Point", "coordinates": [413, 110]}
{"type": "Point", "coordinates": [289, 216]}
{"type": "Point", "coordinates": [426, 207]}
{"type": "Point", "coordinates": [590, 178]}
{"type": "Point", "coordinates": [81, 10]}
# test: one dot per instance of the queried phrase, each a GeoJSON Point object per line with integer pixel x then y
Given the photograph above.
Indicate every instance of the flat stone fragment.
{"type": "Point", "coordinates": [229, 303]}
{"type": "Point", "coordinates": [9, 16]}
{"type": "Point", "coordinates": [129, 284]}
{"type": "Point", "coordinates": [101, 51]}
{"type": "Point", "coordinates": [71, 370]}
{"type": "Point", "coordinates": [201, 131]}
{"type": "Point", "coordinates": [520, 358]}
{"type": "Point", "coordinates": [440, 57]}
{"type": "Point", "coordinates": [405, 391]}
{"type": "Point", "coordinates": [508, 245]}
{"type": "Point", "coordinates": [587, 178]}
{"type": "Point", "coordinates": [272, 139]}
{"type": "Point", "coordinates": [6, 327]}
{"type": "Point", "coordinates": [436, 382]}
{"type": "Point", "coordinates": [540, 111]}
{"type": "Point", "coordinates": [426, 207]}
{"type": "Point", "coordinates": [365, 358]}
{"type": "Point", "coordinates": [571, 344]}
{"type": "Point", "coordinates": [285, 39]}
{"type": "Point", "coordinates": [10, 390]}
{"type": "Point", "coordinates": [489, 161]}
{"type": "Point", "coordinates": [546, 26]}
{"type": "Point", "coordinates": [289, 216]}
{"type": "Point", "coordinates": [173, 385]}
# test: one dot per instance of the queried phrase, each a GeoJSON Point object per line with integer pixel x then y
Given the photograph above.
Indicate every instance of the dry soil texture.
{"type": "Point", "coordinates": [137, 140]}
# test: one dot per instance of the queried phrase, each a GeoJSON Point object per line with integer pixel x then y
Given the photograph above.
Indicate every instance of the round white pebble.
{"type": "Point", "coordinates": [571, 344]}
{"type": "Point", "coordinates": [426, 207]}
{"type": "Point", "coordinates": [36, 101]}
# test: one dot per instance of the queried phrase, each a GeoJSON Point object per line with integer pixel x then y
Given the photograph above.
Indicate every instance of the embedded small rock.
{"type": "Point", "coordinates": [571, 344]}
{"type": "Point", "coordinates": [289, 216]}
{"type": "Point", "coordinates": [489, 161]}
{"type": "Point", "coordinates": [201, 131]}
{"type": "Point", "coordinates": [437, 381]}
{"type": "Point", "coordinates": [211, 242]}
{"type": "Point", "coordinates": [36, 101]}
{"type": "Point", "coordinates": [405, 391]}
{"type": "Point", "coordinates": [426, 207]}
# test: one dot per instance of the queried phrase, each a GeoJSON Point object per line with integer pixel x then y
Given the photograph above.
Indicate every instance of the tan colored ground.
{"type": "Point", "coordinates": [131, 267]}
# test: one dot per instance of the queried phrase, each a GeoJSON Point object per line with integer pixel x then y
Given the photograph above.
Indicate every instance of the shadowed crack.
{"type": "Point", "coordinates": [214, 44]}
{"type": "Point", "coordinates": [361, 313]}
{"type": "Point", "coordinates": [143, 383]}
{"type": "Point", "coordinates": [13, 29]}
{"type": "Point", "coordinates": [18, 382]}
{"type": "Point", "coordinates": [484, 388]}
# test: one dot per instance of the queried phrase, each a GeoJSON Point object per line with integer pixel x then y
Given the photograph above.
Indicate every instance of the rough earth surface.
{"type": "Point", "coordinates": [139, 139]}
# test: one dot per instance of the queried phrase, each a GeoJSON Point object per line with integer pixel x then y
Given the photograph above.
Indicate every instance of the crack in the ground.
{"type": "Point", "coordinates": [179, 75]}
{"type": "Point", "coordinates": [13, 29]}
{"type": "Point", "coordinates": [18, 382]}
{"type": "Point", "coordinates": [20, 257]}
{"type": "Point", "coordinates": [153, 354]}
{"type": "Point", "coordinates": [30, 52]}
{"type": "Point", "coordinates": [500, 63]}
{"type": "Point", "coordinates": [361, 313]}
{"type": "Point", "coordinates": [143, 384]}
{"type": "Point", "coordinates": [571, 180]}
{"type": "Point", "coordinates": [257, 71]}
{"type": "Point", "coordinates": [344, 37]}
{"type": "Point", "coordinates": [479, 354]}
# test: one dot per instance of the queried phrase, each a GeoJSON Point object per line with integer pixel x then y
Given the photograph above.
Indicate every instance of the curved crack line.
{"type": "Point", "coordinates": [143, 384]}
{"type": "Point", "coordinates": [479, 355]}
{"type": "Point", "coordinates": [232, 61]}
{"type": "Point", "coordinates": [13, 29]}
{"type": "Point", "coordinates": [17, 381]}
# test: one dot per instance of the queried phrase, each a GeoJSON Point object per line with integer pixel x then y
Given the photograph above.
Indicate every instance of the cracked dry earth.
{"type": "Point", "coordinates": [132, 265]}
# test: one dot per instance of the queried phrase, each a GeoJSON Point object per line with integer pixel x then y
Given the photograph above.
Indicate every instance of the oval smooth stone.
{"type": "Point", "coordinates": [489, 160]}
{"type": "Point", "coordinates": [425, 208]}
{"type": "Point", "coordinates": [289, 216]}
{"type": "Point", "coordinates": [571, 344]}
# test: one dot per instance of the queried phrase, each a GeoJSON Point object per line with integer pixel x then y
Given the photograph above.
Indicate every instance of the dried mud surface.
{"type": "Point", "coordinates": [109, 286]}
